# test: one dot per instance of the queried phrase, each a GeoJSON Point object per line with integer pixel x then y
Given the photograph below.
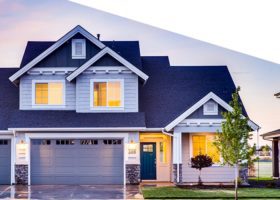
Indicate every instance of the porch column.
{"type": "Point", "coordinates": [275, 158]}
{"type": "Point", "coordinates": [177, 157]}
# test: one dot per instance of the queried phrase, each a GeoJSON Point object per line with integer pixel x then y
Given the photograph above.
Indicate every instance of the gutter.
{"type": "Point", "coordinates": [80, 129]}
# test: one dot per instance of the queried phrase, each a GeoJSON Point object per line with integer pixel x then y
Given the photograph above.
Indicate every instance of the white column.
{"type": "Point", "coordinates": [177, 151]}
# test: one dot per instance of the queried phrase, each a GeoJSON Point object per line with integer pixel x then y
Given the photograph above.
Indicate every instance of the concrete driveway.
{"type": "Point", "coordinates": [70, 192]}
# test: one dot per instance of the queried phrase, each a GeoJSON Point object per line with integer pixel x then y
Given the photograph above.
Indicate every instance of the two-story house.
{"type": "Point", "coordinates": [84, 111]}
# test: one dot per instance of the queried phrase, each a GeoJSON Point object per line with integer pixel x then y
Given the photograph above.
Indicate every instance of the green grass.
{"type": "Point", "coordinates": [180, 193]}
{"type": "Point", "coordinates": [261, 178]}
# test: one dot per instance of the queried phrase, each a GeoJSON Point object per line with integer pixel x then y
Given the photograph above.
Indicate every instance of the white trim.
{"type": "Point", "coordinates": [48, 106]}
{"type": "Point", "coordinates": [207, 112]}
{"type": "Point", "coordinates": [103, 52]}
{"type": "Point", "coordinates": [30, 136]}
{"type": "Point", "coordinates": [79, 129]}
{"type": "Point", "coordinates": [99, 108]}
{"type": "Point", "coordinates": [73, 46]}
{"type": "Point", "coordinates": [6, 132]}
{"type": "Point", "coordinates": [67, 36]}
{"type": "Point", "coordinates": [197, 105]}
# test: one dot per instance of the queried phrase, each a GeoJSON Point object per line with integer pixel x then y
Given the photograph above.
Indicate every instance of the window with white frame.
{"type": "Point", "coordinates": [106, 94]}
{"type": "Point", "coordinates": [210, 108]}
{"type": "Point", "coordinates": [48, 93]}
{"type": "Point", "coordinates": [78, 48]}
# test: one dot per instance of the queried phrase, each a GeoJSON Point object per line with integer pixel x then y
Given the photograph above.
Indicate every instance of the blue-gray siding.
{"type": "Point", "coordinates": [62, 57]}
{"type": "Point", "coordinates": [77, 164]}
{"type": "Point", "coordinates": [5, 162]}
{"type": "Point", "coordinates": [130, 91]}
{"type": "Point", "coordinates": [198, 114]}
{"type": "Point", "coordinates": [26, 91]}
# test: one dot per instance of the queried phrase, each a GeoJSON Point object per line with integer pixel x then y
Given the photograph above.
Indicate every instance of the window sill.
{"type": "Point", "coordinates": [48, 106]}
{"type": "Point", "coordinates": [107, 108]}
{"type": "Point", "coordinates": [78, 57]}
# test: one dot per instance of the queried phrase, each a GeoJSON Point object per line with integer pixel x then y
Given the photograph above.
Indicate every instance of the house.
{"type": "Point", "coordinates": [84, 111]}
{"type": "Point", "coordinates": [274, 137]}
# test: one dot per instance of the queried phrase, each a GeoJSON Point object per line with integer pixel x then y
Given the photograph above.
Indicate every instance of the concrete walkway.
{"type": "Point", "coordinates": [70, 192]}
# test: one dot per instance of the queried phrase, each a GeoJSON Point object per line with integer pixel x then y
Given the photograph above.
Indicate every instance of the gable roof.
{"type": "Point", "coordinates": [57, 44]}
{"type": "Point", "coordinates": [171, 90]}
{"type": "Point", "coordinates": [200, 103]}
{"type": "Point", "coordinates": [130, 50]}
{"type": "Point", "coordinates": [99, 55]}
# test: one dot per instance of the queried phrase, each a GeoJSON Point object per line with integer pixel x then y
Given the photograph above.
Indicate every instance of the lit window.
{"type": "Point", "coordinates": [107, 94]}
{"type": "Point", "coordinates": [49, 93]}
{"type": "Point", "coordinates": [210, 108]}
{"type": "Point", "coordinates": [163, 152]}
{"type": "Point", "coordinates": [203, 144]}
{"type": "Point", "coordinates": [78, 49]}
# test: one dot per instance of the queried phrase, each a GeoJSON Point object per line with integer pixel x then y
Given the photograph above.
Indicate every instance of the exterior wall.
{"type": "Point", "coordinates": [130, 91]}
{"type": "Point", "coordinates": [26, 91]}
{"type": "Point", "coordinates": [210, 174]}
{"type": "Point", "coordinates": [21, 174]}
{"type": "Point", "coordinates": [62, 57]}
{"type": "Point", "coordinates": [198, 114]}
{"type": "Point", "coordinates": [133, 174]}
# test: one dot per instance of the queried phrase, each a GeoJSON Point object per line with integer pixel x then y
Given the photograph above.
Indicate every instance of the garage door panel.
{"type": "Point", "coordinates": [5, 161]}
{"type": "Point", "coordinates": [86, 161]}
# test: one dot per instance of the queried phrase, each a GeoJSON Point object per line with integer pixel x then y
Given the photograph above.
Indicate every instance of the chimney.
{"type": "Point", "coordinates": [98, 36]}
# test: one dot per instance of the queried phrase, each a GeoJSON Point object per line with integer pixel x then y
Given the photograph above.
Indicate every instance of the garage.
{"type": "Point", "coordinates": [77, 161]}
{"type": "Point", "coordinates": [5, 162]}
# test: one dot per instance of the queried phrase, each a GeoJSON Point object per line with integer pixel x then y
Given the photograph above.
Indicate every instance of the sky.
{"type": "Point", "coordinates": [33, 20]}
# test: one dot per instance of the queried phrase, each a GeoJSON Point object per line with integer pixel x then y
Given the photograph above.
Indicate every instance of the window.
{"type": "Point", "coordinates": [41, 142]}
{"type": "Point", "coordinates": [148, 148]}
{"type": "Point", "coordinates": [107, 94]}
{"type": "Point", "coordinates": [89, 142]}
{"type": "Point", "coordinates": [65, 142]}
{"type": "Point", "coordinates": [162, 152]}
{"type": "Point", "coordinates": [203, 144]}
{"type": "Point", "coordinates": [210, 108]}
{"type": "Point", "coordinates": [78, 49]}
{"type": "Point", "coordinates": [48, 93]}
{"type": "Point", "coordinates": [3, 142]}
{"type": "Point", "coordinates": [110, 142]}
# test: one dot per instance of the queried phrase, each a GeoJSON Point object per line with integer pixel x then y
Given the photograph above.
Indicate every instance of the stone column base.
{"type": "Point", "coordinates": [132, 174]}
{"type": "Point", "coordinates": [21, 174]}
{"type": "Point", "coordinates": [175, 174]}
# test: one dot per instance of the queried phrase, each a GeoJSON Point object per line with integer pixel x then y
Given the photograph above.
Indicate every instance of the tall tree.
{"type": "Point", "coordinates": [232, 142]}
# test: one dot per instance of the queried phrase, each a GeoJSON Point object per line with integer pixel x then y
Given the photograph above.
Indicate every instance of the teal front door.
{"type": "Point", "coordinates": [148, 161]}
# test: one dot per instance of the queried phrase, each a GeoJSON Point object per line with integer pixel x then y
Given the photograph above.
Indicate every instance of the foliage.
{"type": "Point", "coordinates": [201, 161]}
{"type": "Point", "coordinates": [232, 142]}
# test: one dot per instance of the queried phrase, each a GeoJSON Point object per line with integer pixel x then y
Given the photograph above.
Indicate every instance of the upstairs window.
{"type": "Point", "coordinates": [48, 93]}
{"type": "Point", "coordinates": [78, 49]}
{"type": "Point", "coordinates": [210, 108]}
{"type": "Point", "coordinates": [107, 93]}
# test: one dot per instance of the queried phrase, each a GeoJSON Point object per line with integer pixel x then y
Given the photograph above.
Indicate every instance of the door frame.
{"type": "Point", "coordinates": [29, 136]}
{"type": "Point", "coordinates": [155, 152]}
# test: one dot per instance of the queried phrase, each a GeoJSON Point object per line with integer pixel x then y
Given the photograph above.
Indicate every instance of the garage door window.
{"type": "Point", "coordinates": [110, 142]}
{"type": "Point", "coordinates": [89, 142]}
{"type": "Point", "coordinates": [65, 142]}
{"type": "Point", "coordinates": [3, 142]}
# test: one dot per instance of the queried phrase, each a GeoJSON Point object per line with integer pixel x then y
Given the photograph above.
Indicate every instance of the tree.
{"type": "Point", "coordinates": [201, 161]}
{"type": "Point", "coordinates": [232, 142]}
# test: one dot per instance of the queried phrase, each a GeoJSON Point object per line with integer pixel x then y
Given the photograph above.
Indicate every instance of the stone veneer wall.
{"type": "Point", "coordinates": [175, 174]}
{"type": "Point", "coordinates": [21, 174]}
{"type": "Point", "coordinates": [132, 174]}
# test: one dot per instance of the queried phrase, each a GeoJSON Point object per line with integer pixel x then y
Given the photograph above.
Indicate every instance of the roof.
{"type": "Point", "coordinates": [12, 117]}
{"type": "Point", "coordinates": [271, 134]}
{"type": "Point", "coordinates": [171, 90]}
{"type": "Point", "coordinates": [130, 50]}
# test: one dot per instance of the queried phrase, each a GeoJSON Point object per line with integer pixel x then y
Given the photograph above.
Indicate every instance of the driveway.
{"type": "Point", "coordinates": [69, 192]}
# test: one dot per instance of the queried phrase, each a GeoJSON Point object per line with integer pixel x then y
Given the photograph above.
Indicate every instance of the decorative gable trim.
{"type": "Point", "coordinates": [200, 103]}
{"type": "Point", "coordinates": [67, 36]}
{"type": "Point", "coordinates": [103, 52]}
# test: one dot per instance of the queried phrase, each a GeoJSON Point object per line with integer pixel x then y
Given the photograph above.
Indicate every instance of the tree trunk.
{"type": "Point", "coordinates": [236, 180]}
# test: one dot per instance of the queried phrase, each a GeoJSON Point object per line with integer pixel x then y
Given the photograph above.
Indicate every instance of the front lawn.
{"type": "Point", "coordinates": [181, 193]}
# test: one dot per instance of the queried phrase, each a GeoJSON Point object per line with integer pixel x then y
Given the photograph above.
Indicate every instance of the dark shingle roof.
{"type": "Point", "coordinates": [171, 90]}
{"type": "Point", "coordinates": [129, 50]}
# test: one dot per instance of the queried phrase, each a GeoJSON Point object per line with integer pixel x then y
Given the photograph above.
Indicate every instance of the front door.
{"type": "Point", "coordinates": [148, 161]}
